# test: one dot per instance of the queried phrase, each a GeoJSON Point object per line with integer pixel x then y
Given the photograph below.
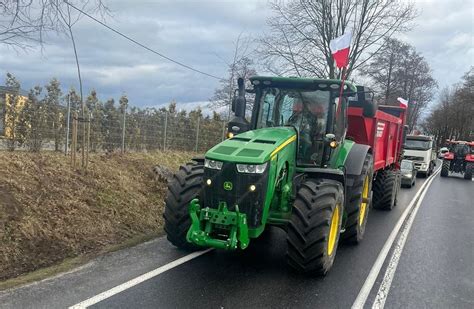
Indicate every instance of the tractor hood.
{"type": "Point", "coordinates": [254, 147]}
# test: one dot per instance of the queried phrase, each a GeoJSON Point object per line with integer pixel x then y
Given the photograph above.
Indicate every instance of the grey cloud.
{"type": "Point", "coordinates": [194, 32]}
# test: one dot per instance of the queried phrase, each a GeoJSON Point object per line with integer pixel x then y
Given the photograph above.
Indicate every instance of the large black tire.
{"type": "Point", "coordinates": [445, 168]}
{"type": "Point", "coordinates": [356, 209]}
{"type": "Point", "coordinates": [469, 170]}
{"type": "Point", "coordinates": [314, 225]}
{"type": "Point", "coordinates": [185, 186]}
{"type": "Point", "coordinates": [385, 189]}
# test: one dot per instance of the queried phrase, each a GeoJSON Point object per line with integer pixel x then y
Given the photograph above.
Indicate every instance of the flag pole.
{"type": "Point", "coordinates": [343, 79]}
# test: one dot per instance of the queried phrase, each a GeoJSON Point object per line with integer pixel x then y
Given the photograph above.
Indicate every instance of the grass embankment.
{"type": "Point", "coordinates": [50, 213]}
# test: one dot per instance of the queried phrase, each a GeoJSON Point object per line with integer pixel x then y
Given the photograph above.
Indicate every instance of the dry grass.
{"type": "Point", "coordinates": [49, 212]}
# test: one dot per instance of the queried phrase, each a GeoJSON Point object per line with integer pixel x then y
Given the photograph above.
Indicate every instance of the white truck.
{"type": "Point", "coordinates": [419, 149]}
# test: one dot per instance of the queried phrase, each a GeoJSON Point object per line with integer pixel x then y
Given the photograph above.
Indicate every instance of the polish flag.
{"type": "Point", "coordinates": [340, 49]}
{"type": "Point", "coordinates": [403, 102]}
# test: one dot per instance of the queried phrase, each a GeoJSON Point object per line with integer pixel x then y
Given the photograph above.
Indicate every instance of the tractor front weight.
{"type": "Point", "coordinates": [218, 228]}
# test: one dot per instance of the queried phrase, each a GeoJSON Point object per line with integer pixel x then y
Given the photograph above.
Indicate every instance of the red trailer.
{"type": "Point", "coordinates": [384, 134]}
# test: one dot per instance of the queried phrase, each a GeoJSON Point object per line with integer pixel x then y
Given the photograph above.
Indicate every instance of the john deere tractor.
{"type": "Point", "coordinates": [290, 166]}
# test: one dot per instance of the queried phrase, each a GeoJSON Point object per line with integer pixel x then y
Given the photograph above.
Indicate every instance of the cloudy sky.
{"type": "Point", "coordinates": [202, 34]}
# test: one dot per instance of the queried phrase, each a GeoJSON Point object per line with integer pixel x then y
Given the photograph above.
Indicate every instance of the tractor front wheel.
{"type": "Point", "coordinates": [469, 170]}
{"type": "Point", "coordinates": [185, 186]}
{"type": "Point", "coordinates": [445, 168]}
{"type": "Point", "coordinates": [315, 224]}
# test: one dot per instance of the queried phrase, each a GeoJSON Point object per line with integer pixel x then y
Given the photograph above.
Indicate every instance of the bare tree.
{"type": "Point", "coordinates": [398, 70]}
{"type": "Point", "coordinates": [19, 26]}
{"type": "Point", "coordinates": [300, 32]}
{"type": "Point", "coordinates": [23, 23]}
{"type": "Point", "coordinates": [241, 66]}
{"type": "Point", "coordinates": [451, 117]}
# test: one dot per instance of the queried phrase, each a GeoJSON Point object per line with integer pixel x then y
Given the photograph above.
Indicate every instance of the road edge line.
{"type": "Point", "coordinates": [375, 270]}
{"type": "Point", "coordinates": [384, 288]}
{"type": "Point", "coordinates": [126, 285]}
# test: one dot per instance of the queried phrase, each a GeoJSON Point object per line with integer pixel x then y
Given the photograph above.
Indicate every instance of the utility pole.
{"type": "Point", "coordinates": [166, 125]}
{"type": "Point", "coordinates": [88, 140]}
{"type": "Point", "coordinates": [123, 129]}
{"type": "Point", "coordinates": [68, 123]}
{"type": "Point", "coordinates": [197, 133]}
{"type": "Point", "coordinates": [74, 139]}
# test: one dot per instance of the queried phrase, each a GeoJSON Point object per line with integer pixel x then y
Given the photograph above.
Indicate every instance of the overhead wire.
{"type": "Point", "coordinates": [141, 44]}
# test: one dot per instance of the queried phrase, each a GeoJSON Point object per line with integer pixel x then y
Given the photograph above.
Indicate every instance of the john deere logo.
{"type": "Point", "coordinates": [228, 185]}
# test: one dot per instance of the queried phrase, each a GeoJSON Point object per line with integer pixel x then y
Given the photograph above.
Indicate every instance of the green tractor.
{"type": "Point", "coordinates": [294, 165]}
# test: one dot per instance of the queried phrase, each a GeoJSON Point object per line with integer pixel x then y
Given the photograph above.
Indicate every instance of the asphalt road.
{"type": "Point", "coordinates": [435, 269]}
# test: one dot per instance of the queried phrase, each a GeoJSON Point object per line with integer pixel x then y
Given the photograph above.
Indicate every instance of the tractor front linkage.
{"type": "Point", "coordinates": [218, 228]}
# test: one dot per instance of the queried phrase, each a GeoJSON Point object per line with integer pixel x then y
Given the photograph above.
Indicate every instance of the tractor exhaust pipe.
{"type": "Point", "coordinates": [238, 124]}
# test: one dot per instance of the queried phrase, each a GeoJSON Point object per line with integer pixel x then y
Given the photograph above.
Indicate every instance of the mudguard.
{"type": "Point", "coordinates": [469, 158]}
{"type": "Point", "coordinates": [355, 159]}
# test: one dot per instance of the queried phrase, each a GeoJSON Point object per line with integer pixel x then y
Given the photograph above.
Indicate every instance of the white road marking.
{"type": "Point", "coordinates": [384, 288]}
{"type": "Point", "coordinates": [374, 272]}
{"type": "Point", "coordinates": [122, 287]}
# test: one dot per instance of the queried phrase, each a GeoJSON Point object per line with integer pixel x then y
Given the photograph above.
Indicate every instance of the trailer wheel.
{"type": "Point", "coordinates": [468, 172]}
{"type": "Point", "coordinates": [445, 168]}
{"type": "Point", "coordinates": [185, 186]}
{"type": "Point", "coordinates": [314, 227]}
{"type": "Point", "coordinates": [358, 204]}
{"type": "Point", "coordinates": [385, 188]}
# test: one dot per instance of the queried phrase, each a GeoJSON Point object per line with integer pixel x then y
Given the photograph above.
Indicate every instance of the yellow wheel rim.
{"type": "Point", "coordinates": [333, 230]}
{"type": "Point", "coordinates": [363, 205]}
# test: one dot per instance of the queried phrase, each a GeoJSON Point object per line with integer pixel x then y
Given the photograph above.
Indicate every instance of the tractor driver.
{"type": "Point", "coordinates": [309, 119]}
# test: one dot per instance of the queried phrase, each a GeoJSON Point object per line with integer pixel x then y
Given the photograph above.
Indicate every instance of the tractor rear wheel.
{"type": "Point", "coordinates": [314, 227]}
{"type": "Point", "coordinates": [469, 170]}
{"type": "Point", "coordinates": [185, 186]}
{"type": "Point", "coordinates": [445, 168]}
{"type": "Point", "coordinates": [358, 204]}
{"type": "Point", "coordinates": [385, 189]}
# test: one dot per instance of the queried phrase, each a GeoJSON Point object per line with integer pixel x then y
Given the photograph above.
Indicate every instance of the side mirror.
{"type": "Point", "coordinates": [233, 104]}
{"type": "Point", "coordinates": [370, 108]}
{"type": "Point", "coordinates": [240, 99]}
{"type": "Point", "coordinates": [239, 124]}
{"type": "Point", "coordinates": [234, 101]}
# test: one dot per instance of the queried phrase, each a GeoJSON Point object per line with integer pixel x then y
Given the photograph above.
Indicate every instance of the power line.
{"type": "Point", "coordinates": [142, 45]}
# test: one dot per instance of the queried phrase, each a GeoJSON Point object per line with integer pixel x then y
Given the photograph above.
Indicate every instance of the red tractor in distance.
{"type": "Point", "coordinates": [459, 159]}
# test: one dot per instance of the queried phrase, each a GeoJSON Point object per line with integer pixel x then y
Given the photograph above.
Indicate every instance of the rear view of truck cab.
{"type": "Point", "coordinates": [419, 149]}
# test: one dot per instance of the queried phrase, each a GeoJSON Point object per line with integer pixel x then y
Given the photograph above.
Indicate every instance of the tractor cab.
{"type": "Point", "coordinates": [460, 150]}
{"type": "Point", "coordinates": [310, 106]}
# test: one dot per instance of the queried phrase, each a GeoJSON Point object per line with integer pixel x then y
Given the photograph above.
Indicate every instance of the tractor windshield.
{"type": "Point", "coordinates": [305, 110]}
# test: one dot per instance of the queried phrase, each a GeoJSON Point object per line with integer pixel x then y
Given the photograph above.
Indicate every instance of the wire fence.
{"type": "Point", "coordinates": [113, 131]}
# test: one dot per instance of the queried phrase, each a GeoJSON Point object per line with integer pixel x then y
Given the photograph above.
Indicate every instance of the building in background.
{"type": "Point", "coordinates": [9, 96]}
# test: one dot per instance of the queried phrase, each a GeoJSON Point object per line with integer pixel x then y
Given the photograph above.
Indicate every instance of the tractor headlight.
{"type": "Point", "coordinates": [408, 175]}
{"type": "Point", "coordinates": [213, 164]}
{"type": "Point", "coordinates": [251, 168]}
